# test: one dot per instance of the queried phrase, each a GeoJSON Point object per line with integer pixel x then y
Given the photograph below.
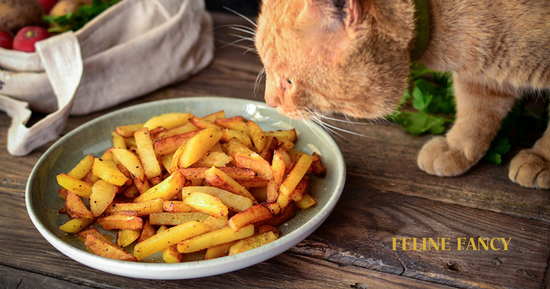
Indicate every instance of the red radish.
{"type": "Point", "coordinates": [6, 40]}
{"type": "Point", "coordinates": [27, 36]}
{"type": "Point", "coordinates": [47, 4]}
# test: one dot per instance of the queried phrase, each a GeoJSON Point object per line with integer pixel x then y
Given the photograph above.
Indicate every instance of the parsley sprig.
{"type": "Point", "coordinates": [431, 95]}
{"type": "Point", "coordinates": [76, 20]}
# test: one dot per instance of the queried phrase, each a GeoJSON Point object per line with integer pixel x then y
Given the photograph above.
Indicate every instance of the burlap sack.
{"type": "Point", "coordinates": [131, 49]}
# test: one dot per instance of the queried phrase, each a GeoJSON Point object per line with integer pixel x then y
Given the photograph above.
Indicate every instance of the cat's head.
{"type": "Point", "coordinates": [335, 56]}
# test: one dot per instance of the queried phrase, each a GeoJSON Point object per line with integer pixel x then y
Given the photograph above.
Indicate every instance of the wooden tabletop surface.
{"type": "Point", "coordinates": [386, 197]}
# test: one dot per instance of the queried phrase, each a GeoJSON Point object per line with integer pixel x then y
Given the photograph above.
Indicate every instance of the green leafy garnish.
{"type": "Point", "coordinates": [431, 95]}
{"type": "Point", "coordinates": [76, 20]}
{"type": "Point", "coordinates": [433, 101]}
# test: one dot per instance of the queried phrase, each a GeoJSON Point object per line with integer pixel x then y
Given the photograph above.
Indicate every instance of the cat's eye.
{"type": "Point", "coordinates": [289, 81]}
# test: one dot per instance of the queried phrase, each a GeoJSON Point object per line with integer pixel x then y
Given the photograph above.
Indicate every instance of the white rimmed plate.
{"type": "Point", "coordinates": [43, 202]}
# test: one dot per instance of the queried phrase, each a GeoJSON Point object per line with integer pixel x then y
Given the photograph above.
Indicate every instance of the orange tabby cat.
{"type": "Point", "coordinates": [352, 57]}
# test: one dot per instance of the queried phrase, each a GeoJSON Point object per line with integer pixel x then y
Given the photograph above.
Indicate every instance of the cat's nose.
{"type": "Point", "coordinates": [272, 101]}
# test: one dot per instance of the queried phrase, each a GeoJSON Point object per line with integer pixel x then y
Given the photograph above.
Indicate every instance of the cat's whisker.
{"type": "Point", "coordinates": [234, 44]}
{"type": "Point", "coordinates": [315, 118]}
{"type": "Point", "coordinates": [321, 119]}
{"type": "Point", "coordinates": [241, 15]}
{"type": "Point", "coordinates": [242, 37]}
{"type": "Point", "coordinates": [259, 78]}
{"type": "Point", "coordinates": [243, 30]}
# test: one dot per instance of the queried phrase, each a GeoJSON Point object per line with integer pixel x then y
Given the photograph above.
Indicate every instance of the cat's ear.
{"type": "Point", "coordinates": [394, 18]}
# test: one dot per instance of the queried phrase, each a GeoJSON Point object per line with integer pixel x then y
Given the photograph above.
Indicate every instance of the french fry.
{"type": "Point", "coordinates": [118, 140]}
{"type": "Point", "coordinates": [170, 144]}
{"type": "Point", "coordinates": [120, 222]}
{"type": "Point", "coordinates": [212, 238]}
{"type": "Point", "coordinates": [127, 237]}
{"type": "Point", "coordinates": [76, 208]}
{"type": "Point", "coordinates": [176, 207]}
{"type": "Point", "coordinates": [286, 214]}
{"type": "Point", "coordinates": [259, 193]}
{"type": "Point", "coordinates": [271, 146]}
{"type": "Point", "coordinates": [300, 189]}
{"type": "Point", "coordinates": [218, 251]}
{"type": "Point", "coordinates": [232, 172]}
{"type": "Point", "coordinates": [82, 168]}
{"type": "Point", "coordinates": [100, 245]}
{"type": "Point", "coordinates": [170, 254]}
{"type": "Point", "coordinates": [166, 190]}
{"type": "Point", "coordinates": [74, 185]}
{"type": "Point", "coordinates": [188, 127]}
{"type": "Point", "coordinates": [131, 162]}
{"type": "Point", "coordinates": [317, 166]}
{"type": "Point", "coordinates": [306, 202]}
{"type": "Point", "coordinates": [237, 123]}
{"type": "Point", "coordinates": [252, 215]}
{"type": "Point", "coordinates": [173, 219]}
{"type": "Point", "coordinates": [146, 153]}
{"type": "Point", "coordinates": [201, 123]}
{"type": "Point", "coordinates": [219, 179]}
{"type": "Point", "coordinates": [216, 222]}
{"type": "Point", "coordinates": [76, 225]}
{"type": "Point", "coordinates": [168, 120]}
{"type": "Point", "coordinates": [213, 116]}
{"type": "Point", "coordinates": [257, 135]}
{"type": "Point", "coordinates": [253, 242]}
{"type": "Point", "coordinates": [169, 237]}
{"type": "Point", "coordinates": [128, 131]}
{"type": "Point", "coordinates": [297, 173]}
{"type": "Point", "coordinates": [206, 203]}
{"type": "Point", "coordinates": [108, 171]}
{"type": "Point", "coordinates": [196, 147]}
{"type": "Point", "coordinates": [236, 203]}
{"type": "Point", "coordinates": [102, 196]}
{"type": "Point", "coordinates": [286, 135]}
{"type": "Point", "coordinates": [243, 157]}
{"type": "Point", "coordinates": [216, 159]}
{"type": "Point", "coordinates": [243, 137]}
{"type": "Point", "coordinates": [146, 232]}
{"type": "Point", "coordinates": [142, 208]}
{"type": "Point", "coordinates": [279, 167]}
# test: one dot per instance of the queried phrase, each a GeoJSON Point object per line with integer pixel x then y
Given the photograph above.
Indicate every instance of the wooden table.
{"type": "Point", "coordinates": [386, 197]}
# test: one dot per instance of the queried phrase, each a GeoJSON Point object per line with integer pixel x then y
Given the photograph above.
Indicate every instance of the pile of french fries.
{"type": "Point", "coordinates": [193, 188]}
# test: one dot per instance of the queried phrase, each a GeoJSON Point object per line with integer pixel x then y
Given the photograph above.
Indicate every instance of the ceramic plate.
{"type": "Point", "coordinates": [43, 201]}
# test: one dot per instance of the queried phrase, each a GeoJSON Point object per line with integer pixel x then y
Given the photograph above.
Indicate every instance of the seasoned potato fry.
{"type": "Point", "coordinates": [213, 159]}
{"type": "Point", "coordinates": [216, 237]}
{"type": "Point", "coordinates": [213, 116]}
{"type": "Point", "coordinates": [206, 203]}
{"type": "Point", "coordinates": [216, 222]}
{"type": "Point", "coordinates": [146, 232]}
{"type": "Point", "coordinates": [182, 129]}
{"type": "Point", "coordinates": [74, 185]}
{"type": "Point", "coordinates": [82, 168]}
{"type": "Point", "coordinates": [253, 242]}
{"type": "Point", "coordinates": [317, 166]}
{"type": "Point", "coordinates": [297, 173]}
{"type": "Point", "coordinates": [131, 162]}
{"type": "Point", "coordinates": [232, 172]}
{"type": "Point", "coordinates": [102, 196]}
{"type": "Point", "coordinates": [76, 208]}
{"type": "Point", "coordinates": [100, 245]}
{"type": "Point", "coordinates": [142, 208]}
{"type": "Point", "coordinates": [243, 157]}
{"type": "Point", "coordinates": [128, 131]}
{"type": "Point", "coordinates": [126, 237]}
{"type": "Point", "coordinates": [170, 144]}
{"type": "Point", "coordinates": [218, 250]}
{"type": "Point", "coordinates": [196, 147]}
{"type": "Point", "coordinates": [170, 254]}
{"type": "Point", "coordinates": [218, 178]}
{"type": "Point", "coordinates": [306, 202]}
{"type": "Point", "coordinates": [234, 202]}
{"type": "Point", "coordinates": [257, 135]}
{"type": "Point", "coordinates": [146, 153]}
{"type": "Point", "coordinates": [300, 189]}
{"type": "Point", "coordinates": [166, 190]}
{"type": "Point", "coordinates": [169, 237]}
{"type": "Point", "coordinates": [270, 147]}
{"type": "Point", "coordinates": [237, 123]}
{"type": "Point", "coordinates": [118, 140]}
{"type": "Point", "coordinates": [285, 135]}
{"type": "Point", "coordinates": [172, 219]}
{"type": "Point", "coordinates": [76, 225]}
{"type": "Point", "coordinates": [278, 166]}
{"type": "Point", "coordinates": [120, 222]}
{"type": "Point", "coordinates": [108, 171]}
{"type": "Point", "coordinates": [252, 215]}
{"type": "Point", "coordinates": [168, 120]}
{"type": "Point", "coordinates": [243, 137]}
{"type": "Point", "coordinates": [176, 207]}
{"type": "Point", "coordinates": [202, 123]}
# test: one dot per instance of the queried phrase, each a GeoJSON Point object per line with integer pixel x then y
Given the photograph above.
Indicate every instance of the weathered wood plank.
{"type": "Point", "coordinates": [361, 229]}
{"type": "Point", "coordinates": [11, 278]}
